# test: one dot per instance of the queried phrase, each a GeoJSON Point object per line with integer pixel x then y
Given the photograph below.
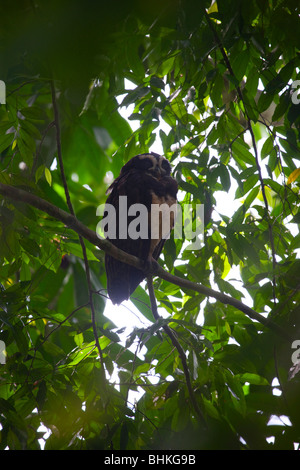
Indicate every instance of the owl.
{"type": "Point", "coordinates": [146, 183]}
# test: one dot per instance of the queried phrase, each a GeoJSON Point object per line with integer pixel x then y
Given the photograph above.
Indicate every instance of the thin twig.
{"type": "Point", "coordinates": [47, 336]}
{"type": "Point", "coordinates": [59, 151]}
{"type": "Point", "coordinates": [177, 345]}
{"type": "Point", "coordinates": [33, 169]}
{"type": "Point", "coordinates": [70, 206]}
{"type": "Point", "coordinates": [250, 128]}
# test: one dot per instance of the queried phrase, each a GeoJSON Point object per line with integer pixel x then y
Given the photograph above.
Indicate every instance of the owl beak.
{"type": "Point", "coordinates": [160, 172]}
{"type": "Point", "coordinates": [157, 173]}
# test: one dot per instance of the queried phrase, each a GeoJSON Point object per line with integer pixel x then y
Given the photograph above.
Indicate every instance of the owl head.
{"type": "Point", "coordinates": [151, 163]}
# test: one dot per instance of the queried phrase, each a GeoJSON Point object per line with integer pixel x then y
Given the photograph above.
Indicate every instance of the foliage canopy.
{"type": "Point", "coordinates": [221, 78]}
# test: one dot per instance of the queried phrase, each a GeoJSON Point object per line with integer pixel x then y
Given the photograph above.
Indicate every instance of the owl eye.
{"type": "Point", "coordinates": [148, 164]}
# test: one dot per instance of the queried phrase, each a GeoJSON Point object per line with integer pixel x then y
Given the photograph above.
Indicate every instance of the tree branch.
{"type": "Point", "coordinates": [72, 222]}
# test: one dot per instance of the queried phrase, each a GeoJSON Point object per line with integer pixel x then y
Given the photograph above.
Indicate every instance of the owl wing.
{"type": "Point", "coordinates": [123, 279]}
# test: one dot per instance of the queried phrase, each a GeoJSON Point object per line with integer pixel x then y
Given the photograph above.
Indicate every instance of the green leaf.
{"type": "Point", "coordinates": [32, 113]}
{"type": "Point", "coordinates": [211, 409]}
{"type": "Point", "coordinates": [30, 246]}
{"type": "Point", "coordinates": [81, 354]}
{"type": "Point", "coordinates": [281, 108]}
{"type": "Point", "coordinates": [48, 176]}
{"type": "Point", "coordinates": [225, 177]}
{"type": "Point", "coordinates": [264, 101]}
{"type": "Point", "coordinates": [78, 340]}
{"type": "Point", "coordinates": [240, 64]}
{"type": "Point", "coordinates": [5, 141]}
{"type": "Point", "coordinates": [251, 196]}
{"type": "Point", "coordinates": [76, 250]}
{"type": "Point", "coordinates": [124, 436]}
{"type": "Point", "coordinates": [179, 109]}
{"type": "Point", "coordinates": [190, 146]}
{"type": "Point", "coordinates": [227, 328]}
{"type": "Point", "coordinates": [253, 379]}
{"type": "Point", "coordinates": [241, 152]}
{"type": "Point", "coordinates": [141, 300]}
{"type": "Point", "coordinates": [267, 147]}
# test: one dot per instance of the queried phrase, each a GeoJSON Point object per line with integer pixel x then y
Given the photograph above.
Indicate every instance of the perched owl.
{"type": "Point", "coordinates": [146, 182]}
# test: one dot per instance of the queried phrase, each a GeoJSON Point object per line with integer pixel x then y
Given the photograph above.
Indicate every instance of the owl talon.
{"type": "Point", "coordinates": [151, 266]}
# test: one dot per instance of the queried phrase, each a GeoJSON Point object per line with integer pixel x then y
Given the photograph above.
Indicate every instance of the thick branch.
{"type": "Point", "coordinates": [73, 223]}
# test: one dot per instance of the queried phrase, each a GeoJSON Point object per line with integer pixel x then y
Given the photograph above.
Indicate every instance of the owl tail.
{"type": "Point", "coordinates": [122, 279]}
